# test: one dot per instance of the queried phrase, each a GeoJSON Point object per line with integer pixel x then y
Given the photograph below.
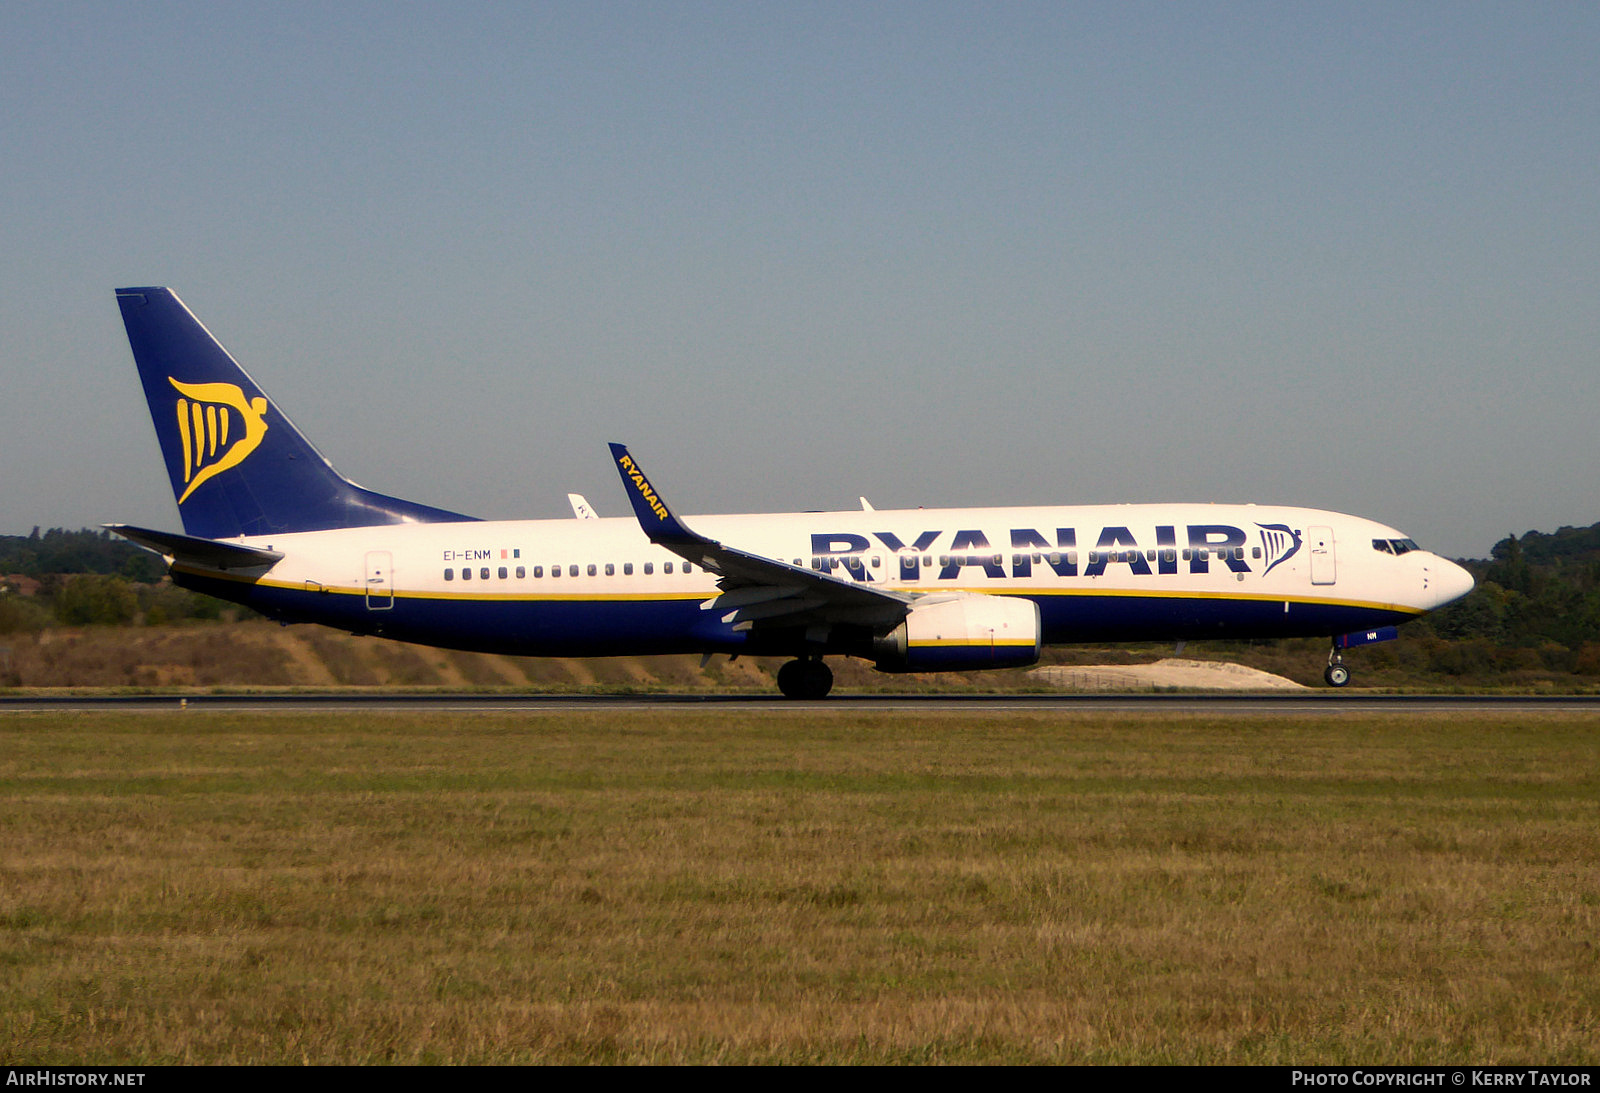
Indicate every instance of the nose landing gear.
{"type": "Point", "coordinates": [805, 679]}
{"type": "Point", "coordinates": [1336, 674]}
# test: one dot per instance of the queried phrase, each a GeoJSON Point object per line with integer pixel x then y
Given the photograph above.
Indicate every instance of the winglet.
{"type": "Point", "coordinates": [581, 507]}
{"type": "Point", "coordinates": [659, 524]}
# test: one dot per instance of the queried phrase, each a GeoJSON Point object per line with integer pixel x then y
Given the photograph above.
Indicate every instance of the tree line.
{"type": "Point", "coordinates": [85, 578]}
{"type": "Point", "coordinates": [1536, 605]}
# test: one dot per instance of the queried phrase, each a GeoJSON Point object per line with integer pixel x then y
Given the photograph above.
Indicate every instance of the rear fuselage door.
{"type": "Point", "coordinates": [380, 582]}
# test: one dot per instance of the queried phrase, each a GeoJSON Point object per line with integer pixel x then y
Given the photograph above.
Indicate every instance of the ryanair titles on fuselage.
{"type": "Point", "coordinates": [1202, 544]}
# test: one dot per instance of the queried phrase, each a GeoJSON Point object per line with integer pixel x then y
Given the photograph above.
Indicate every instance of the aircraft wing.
{"type": "Point", "coordinates": [207, 553]}
{"type": "Point", "coordinates": [757, 591]}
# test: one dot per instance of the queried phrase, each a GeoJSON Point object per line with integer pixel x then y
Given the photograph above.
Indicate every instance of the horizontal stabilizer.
{"type": "Point", "coordinates": [202, 552]}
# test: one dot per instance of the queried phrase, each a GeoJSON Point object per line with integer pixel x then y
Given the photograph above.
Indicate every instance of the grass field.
{"type": "Point", "coordinates": [811, 886]}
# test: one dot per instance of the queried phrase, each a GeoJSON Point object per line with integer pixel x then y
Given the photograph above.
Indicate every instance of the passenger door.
{"type": "Point", "coordinates": [380, 580]}
{"type": "Point", "coordinates": [1323, 563]}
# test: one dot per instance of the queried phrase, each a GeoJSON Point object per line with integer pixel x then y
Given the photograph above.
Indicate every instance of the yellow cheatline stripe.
{"type": "Point", "coordinates": [1237, 597]}
{"type": "Point", "coordinates": [404, 594]}
{"type": "Point", "coordinates": [552, 596]}
{"type": "Point", "coordinates": [1019, 642]}
{"type": "Point", "coordinates": [338, 590]}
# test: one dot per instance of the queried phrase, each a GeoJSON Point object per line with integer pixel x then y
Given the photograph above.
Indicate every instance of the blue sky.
{"type": "Point", "coordinates": [1339, 255]}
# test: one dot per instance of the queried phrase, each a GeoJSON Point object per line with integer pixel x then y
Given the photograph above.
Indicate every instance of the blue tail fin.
{"type": "Point", "coordinates": [238, 466]}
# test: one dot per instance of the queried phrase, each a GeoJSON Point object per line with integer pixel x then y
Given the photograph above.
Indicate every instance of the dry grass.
{"type": "Point", "coordinates": [797, 887]}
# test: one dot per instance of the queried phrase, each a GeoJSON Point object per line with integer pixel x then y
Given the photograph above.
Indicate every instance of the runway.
{"type": "Point", "coordinates": [1316, 703]}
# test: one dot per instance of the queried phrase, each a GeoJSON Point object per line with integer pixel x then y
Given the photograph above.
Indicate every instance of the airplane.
{"type": "Point", "coordinates": [269, 523]}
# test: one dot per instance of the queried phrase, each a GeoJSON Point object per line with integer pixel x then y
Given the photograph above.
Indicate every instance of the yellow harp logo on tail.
{"type": "Point", "coordinates": [205, 423]}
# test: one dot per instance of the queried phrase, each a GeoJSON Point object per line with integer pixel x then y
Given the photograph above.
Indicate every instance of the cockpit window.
{"type": "Point", "coordinates": [1394, 546]}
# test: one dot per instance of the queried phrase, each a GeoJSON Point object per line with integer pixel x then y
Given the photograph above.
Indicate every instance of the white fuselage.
{"type": "Point", "coordinates": [1115, 572]}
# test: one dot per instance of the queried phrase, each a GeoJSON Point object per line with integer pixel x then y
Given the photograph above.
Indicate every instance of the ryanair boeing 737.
{"type": "Point", "coordinates": [269, 523]}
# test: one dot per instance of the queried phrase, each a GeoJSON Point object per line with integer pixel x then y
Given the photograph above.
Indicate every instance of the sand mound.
{"type": "Point", "coordinates": [1197, 675]}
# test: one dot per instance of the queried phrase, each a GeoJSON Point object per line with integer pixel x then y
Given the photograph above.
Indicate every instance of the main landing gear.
{"type": "Point", "coordinates": [807, 679]}
{"type": "Point", "coordinates": [1336, 674]}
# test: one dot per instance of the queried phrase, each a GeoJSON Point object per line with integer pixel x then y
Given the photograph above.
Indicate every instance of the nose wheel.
{"type": "Point", "coordinates": [1336, 674]}
{"type": "Point", "coordinates": [805, 679]}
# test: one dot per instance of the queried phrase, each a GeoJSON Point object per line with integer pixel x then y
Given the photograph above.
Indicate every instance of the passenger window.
{"type": "Point", "coordinates": [449, 574]}
{"type": "Point", "coordinates": [572, 571]}
{"type": "Point", "coordinates": [484, 573]}
{"type": "Point", "coordinates": [649, 568]}
{"type": "Point", "coordinates": [591, 569]}
{"type": "Point", "coordinates": [688, 567]}
{"type": "Point", "coordinates": [538, 571]}
{"type": "Point", "coordinates": [555, 571]}
{"type": "Point", "coordinates": [521, 572]}
{"type": "Point", "coordinates": [466, 574]}
{"type": "Point", "coordinates": [611, 570]}
{"type": "Point", "coordinates": [503, 573]}
{"type": "Point", "coordinates": [666, 567]}
{"type": "Point", "coordinates": [627, 569]}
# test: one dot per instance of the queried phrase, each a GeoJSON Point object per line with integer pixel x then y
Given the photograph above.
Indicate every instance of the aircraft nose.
{"type": "Point", "coordinates": [1447, 582]}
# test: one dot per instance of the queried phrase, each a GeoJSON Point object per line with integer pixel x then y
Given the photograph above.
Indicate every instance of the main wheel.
{"type": "Point", "coordinates": [1337, 675]}
{"type": "Point", "coordinates": [805, 679]}
{"type": "Point", "coordinates": [819, 679]}
{"type": "Point", "coordinates": [791, 678]}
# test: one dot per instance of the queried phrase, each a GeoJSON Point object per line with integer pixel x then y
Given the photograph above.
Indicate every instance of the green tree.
{"type": "Point", "coordinates": [92, 598]}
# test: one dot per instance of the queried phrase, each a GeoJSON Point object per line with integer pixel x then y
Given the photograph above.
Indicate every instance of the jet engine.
{"type": "Point", "coordinates": [961, 632]}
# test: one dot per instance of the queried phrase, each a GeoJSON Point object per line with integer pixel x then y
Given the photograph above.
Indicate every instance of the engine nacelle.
{"type": "Point", "coordinates": [961, 633]}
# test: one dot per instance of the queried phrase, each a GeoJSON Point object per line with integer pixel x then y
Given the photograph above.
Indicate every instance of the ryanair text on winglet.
{"type": "Point", "coordinates": [642, 484]}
